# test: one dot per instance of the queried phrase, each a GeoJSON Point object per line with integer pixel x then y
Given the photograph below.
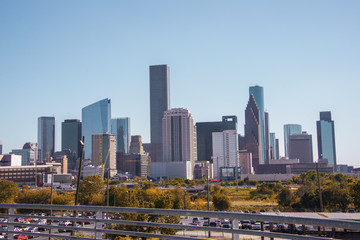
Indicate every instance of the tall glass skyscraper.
{"type": "Point", "coordinates": [96, 119]}
{"type": "Point", "coordinates": [290, 129]}
{"type": "Point", "coordinates": [273, 153]}
{"type": "Point", "coordinates": [120, 127]}
{"type": "Point", "coordinates": [70, 141]}
{"type": "Point", "coordinates": [326, 138]}
{"type": "Point", "coordinates": [258, 93]}
{"type": "Point", "coordinates": [46, 137]}
{"type": "Point", "coordinates": [159, 103]}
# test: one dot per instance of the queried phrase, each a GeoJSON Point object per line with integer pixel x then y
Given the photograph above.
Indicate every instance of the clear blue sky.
{"type": "Point", "coordinates": [59, 56]}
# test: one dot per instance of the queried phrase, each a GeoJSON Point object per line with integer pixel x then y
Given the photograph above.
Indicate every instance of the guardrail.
{"type": "Point", "coordinates": [99, 220]}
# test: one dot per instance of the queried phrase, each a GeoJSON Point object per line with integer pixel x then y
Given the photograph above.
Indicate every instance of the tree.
{"type": "Point", "coordinates": [8, 191]}
{"type": "Point", "coordinates": [90, 191]}
{"type": "Point", "coordinates": [221, 201]}
{"type": "Point", "coordinates": [285, 197]}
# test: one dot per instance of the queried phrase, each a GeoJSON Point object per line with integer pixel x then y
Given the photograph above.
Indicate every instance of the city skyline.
{"type": "Point", "coordinates": [304, 55]}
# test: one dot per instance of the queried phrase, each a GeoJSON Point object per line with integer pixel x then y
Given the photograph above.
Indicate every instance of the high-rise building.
{"type": "Point", "coordinates": [267, 139]}
{"type": "Point", "coordinates": [103, 152]}
{"type": "Point", "coordinates": [1, 147]}
{"type": "Point", "coordinates": [253, 132]}
{"type": "Point", "coordinates": [71, 136]}
{"type": "Point", "coordinates": [178, 136]}
{"type": "Point", "coordinates": [120, 127]}
{"type": "Point", "coordinates": [46, 138]}
{"type": "Point", "coordinates": [326, 138]}
{"type": "Point", "coordinates": [70, 141]}
{"type": "Point", "coordinates": [96, 119]}
{"type": "Point", "coordinates": [225, 151]}
{"type": "Point", "coordinates": [204, 135]}
{"type": "Point", "coordinates": [290, 129]}
{"type": "Point", "coordinates": [159, 102]}
{"type": "Point", "coordinates": [136, 145]}
{"type": "Point", "coordinates": [300, 147]}
{"type": "Point", "coordinates": [277, 147]}
{"type": "Point", "coordinates": [273, 153]}
{"type": "Point", "coordinates": [258, 93]}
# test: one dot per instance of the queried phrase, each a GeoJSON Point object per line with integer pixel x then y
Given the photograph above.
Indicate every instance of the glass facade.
{"type": "Point", "coordinates": [120, 127]}
{"type": "Point", "coordinates": [258, 93]}
{"type": "Point", "coordinates": [46, 137]}
{"type": "Point", "coordinates": [326, 138]}
{"type": "Point", "coordinates": [71, 136]}
{"type": "Point", "coordinates": [290, 129]}
{"type": "Point", "coordinates": [96, 119]}
{"type": "Point", "coordinates": [273, 153]}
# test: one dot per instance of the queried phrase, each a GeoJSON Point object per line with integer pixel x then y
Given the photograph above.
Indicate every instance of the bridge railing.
{"type": "Point", "coordinates": [97, 232]}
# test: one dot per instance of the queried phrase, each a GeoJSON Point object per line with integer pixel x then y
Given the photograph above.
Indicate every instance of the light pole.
{"type": "Point", "coordinates": [318, 183]}
{"type": "Point", "coordinates": [78, 180]}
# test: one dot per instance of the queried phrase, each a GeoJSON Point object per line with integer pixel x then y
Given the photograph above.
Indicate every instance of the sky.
{"type": "Point", "coordinates": [57, 57]}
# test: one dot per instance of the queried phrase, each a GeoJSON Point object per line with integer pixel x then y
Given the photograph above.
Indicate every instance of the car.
{"type": "Point", "coordinates": [195, 224]}
{"type": "Point", "coordinates": [245, 224]}
{"type": "Point", "coordinates": [196, 220]}
{"type": "Point", "coordinates": [60, 230]}
{"type": "Point", "coordinates": [206, 224]}
{"type": "Point", "coordinates": [256, 226]}
{"type": "Point", "coordinates": [20, 236]}
{"type": "Point", "coordinates": [214, 224]}
{"type": "Point", "coordinates": [226, 225]}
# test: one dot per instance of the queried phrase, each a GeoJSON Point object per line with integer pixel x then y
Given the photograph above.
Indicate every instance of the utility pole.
{"type": "Point", "coordinates": [208, 193]}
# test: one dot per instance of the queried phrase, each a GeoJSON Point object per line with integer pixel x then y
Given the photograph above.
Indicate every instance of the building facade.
{"type": "Point", "coordinates": [103, 152]}
{"type": "Point", "coordinates": [326, 138]}
{"type": "Point", "coordinates": [71, 136]}
{"type": "Point", "coordinates": [96, 119]}
{"type": "Point", "coordinates": [204, 135]}
{"type": "Point", "coordinates": [253, 132]}
{"type": "Point", "coordinates": [46, 138]}
{"type": "Point", "coordinates": [225, 151]}
{"type": "Point", "coordinates": [120, 127]}
{"type": "Point", "coordinates": [27, 156]}
{"type": "Point", "coordinates": [159, 102]}
{"type": "Point", "coordinates": [300, 147]}
{"type": "Point", "coordinates": [258, 93]}
{"type": "Point", "coordinates": [290, 129]}
{"type": "Point", "coordinates": [273, 149]}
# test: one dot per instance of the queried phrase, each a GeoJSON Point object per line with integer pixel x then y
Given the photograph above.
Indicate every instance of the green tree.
{"type": "Point", "coordinates": [8, 191]}
{"type": "Point", "coordinates": [221, 201]}
{"type": "Point", "coordinates": [285, 197]}
{"type": "Point", "coordinates": [91, 191]}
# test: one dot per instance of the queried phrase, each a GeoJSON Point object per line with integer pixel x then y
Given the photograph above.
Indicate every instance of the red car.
{"type": "Point", "coordinates": [19, 236]}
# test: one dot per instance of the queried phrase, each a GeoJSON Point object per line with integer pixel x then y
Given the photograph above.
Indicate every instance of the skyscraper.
{"type": "Point", "coordinates": [267, 139]}
{"type": "Point", "coordinates": [70, 140]}
{"type": "Point", "coordinates": [273, 153]}
{"type": "Point", "coordinates": [120, 127]}
{"type": "Point", "coordinates": [46, 137]}
{"type": "Point", "coordinates": [225, 151]}
{"type": "Point", "coordinates": [204, 135]}
{"type": "Point", "coordinates": [300, 147]}
{"type": "Point", "coordinates": [159, 102]}
{"type": "Point", "coordinates": [326, 138]}
{"type": "Point", "coordinates": [253, 132]}
{"type": "Point", "coordinates": [96, 119]}
{"type": "Point", "coordinates": [1, 147]}
{"type": "Point", "coordinates": [103, 152]}
{"type": "Point", "coordinates": [258, 93]}
{"type": "Point", "coordinates": [178, 136]}
{"type": "Point", "coordinates": [290, 129]}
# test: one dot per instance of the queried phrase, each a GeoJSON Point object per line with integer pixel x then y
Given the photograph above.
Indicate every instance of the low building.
{"type": "Point", "coordinates": [167, 170]}
{"type": "Point", "coordinates": [136, 164]}
{"type": "Point", "coordinates": [10, 160]}
{"type": "Point", "coordinates": [203, 169]}
{"type": "Point", "coordinates": [91, 170]}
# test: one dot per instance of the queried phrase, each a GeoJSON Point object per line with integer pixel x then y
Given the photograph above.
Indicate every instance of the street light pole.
{"type": "Point", "coordinates": [79, 171]}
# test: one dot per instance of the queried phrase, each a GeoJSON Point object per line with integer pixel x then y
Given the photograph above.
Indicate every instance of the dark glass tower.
{"type": "Point", "coordinates": [96, 119]}
{"type": "Point", "coordinates": [253, 132]}
{"type": "Point", "coordinates": [290, 129]}
{"type": "Point", "coordinates": [159, 102]}
{"type": "Point", "coordinates": [300, 147]}
{"type": "Point", "coordinates": [46, 137]}
{"type": "Point", "coordinates": [70, 140]}
{"type": "Point", "coordinates": [326, 138]}
{"type": "Point", "coordinates": [204, 135]}
{"type": "Point", "coordinates": [258, 93]}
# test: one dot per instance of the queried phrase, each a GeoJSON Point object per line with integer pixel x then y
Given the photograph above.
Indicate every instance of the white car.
{"type": "Point", "coordinates": [256, 226]}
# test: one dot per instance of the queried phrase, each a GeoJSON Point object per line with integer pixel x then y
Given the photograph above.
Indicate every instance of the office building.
{"type": "Point", "coordinates": [300, 146]}
{"type": "Point", "coordinates": [10, 160]}
{"type": "Point", "coordinates": [46, 138]}
{"type": "Point", "coordinates": [134, 163]}
{"type": "Point", "coordinates": [62, 159]}
{"type": "Point", "coordinates": [70, 141]}
{"type": "Point", "coordinates": [258, 93]}
{"type": "Point", "coordinates": [253, 132]}
{"type": "Point", "coordinates": [326, 138]}
{"type": "Point", "coordinates": [120, 127]}
{"type": "Point", "coordinates": [290, 129]}
{"type": "Point", "coordinates": [159, 102]}
{"type": "Point", "coordinates": [96, 119]}
{"type": "Point", "coordinates": [273, 153]}
{"type": "Point", "coordinates": [103, 152]}
{"type": "Point", "coordinates": [204, 135]}
{"type": "Point", "coordinates": [225, 152]}
{"type": "Point", "coordinates": [136, 145]}
{"type": "Point", "coordinates": [277, 147]}
{"type": "Point", "coordinates": [27, 156]}
{"type": "Point", "coordinates": [267, 139]}
{"type": "Point", "coordinates": [245, 162]}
